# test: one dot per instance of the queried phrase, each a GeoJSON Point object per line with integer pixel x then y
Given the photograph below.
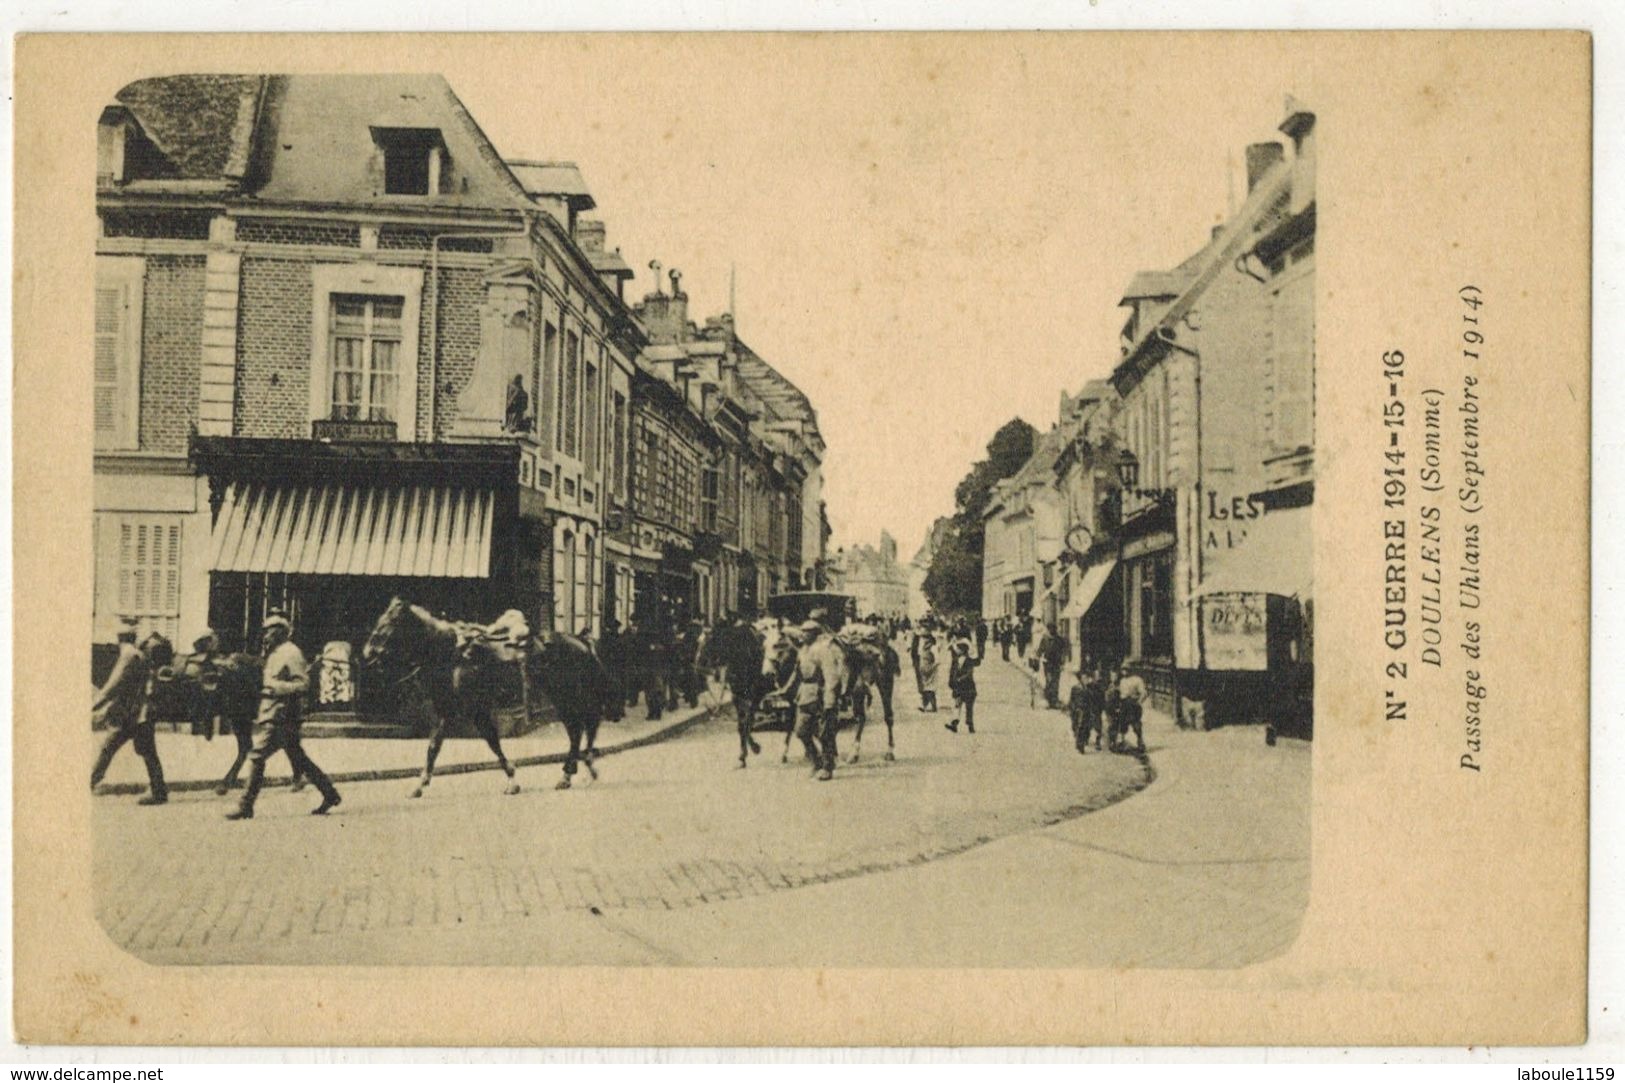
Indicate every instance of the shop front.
{"type": "Point", "coordinates": [329, 533]}
{"type": "Point", "coordinates": [1253, 612]}
{"type": "Point", "coordinates": [1091, 613]}
{"type": "Point", "coordinates": [1147, 608]}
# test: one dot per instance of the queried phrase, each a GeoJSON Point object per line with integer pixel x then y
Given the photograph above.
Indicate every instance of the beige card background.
{"type": "Point", "coordinates": [1447, 907]}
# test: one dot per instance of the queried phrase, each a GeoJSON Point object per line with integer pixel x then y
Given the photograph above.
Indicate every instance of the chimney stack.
{"type": "Point", "coordinates": [1261, 158]}
{"type": "Point", "coordinates": [665, 316]}
{"type": "Point", "coordinates": [589, 235]}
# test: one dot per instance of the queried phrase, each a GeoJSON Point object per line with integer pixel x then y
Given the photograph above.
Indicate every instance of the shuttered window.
{"type": "Point", "coordinates": [570, 404]}
{"type": "Point", "coordinates": [143, 559]}
{"type": "Point", "coordinates": [549, 387]}
{"type": "Point", "coordinates": [618, 481]}
{"type": "Point", "coordinates": [590, 415]}
{"type": "Point", "coordinates": [117, 387]}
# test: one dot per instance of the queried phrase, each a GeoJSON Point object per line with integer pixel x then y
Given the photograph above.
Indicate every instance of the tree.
{"type": "Point", "coordinates": [953, 584]}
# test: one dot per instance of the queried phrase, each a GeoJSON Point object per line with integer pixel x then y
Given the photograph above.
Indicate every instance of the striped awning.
{"type": "Point", "coordinates": [352, 529]}
{"type": "Point", "coordinates": [1088, 589]}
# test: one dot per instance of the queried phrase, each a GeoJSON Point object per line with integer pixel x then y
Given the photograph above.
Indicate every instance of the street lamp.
{"type": "Point", "coordinates": [1128, 469]}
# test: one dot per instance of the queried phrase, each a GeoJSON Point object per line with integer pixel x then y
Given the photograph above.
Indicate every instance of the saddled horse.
{"type": "Point", "coordinates": [737, 650]}
{"type": "Point", "coordinates": [780, 650]}
{"type": "Point", "coordinates": [872, 668]}
{"type": "Point", "coordinates": [451, 666]}
{"type": "Point", "coordinates": [207, 685]}
{"type": "Point", "coordinates": [575, 680]}
{"type": "Point", "coordinates": [866, 668]}
{"type": "Point", "coordinates": [455, 666]}
{"type": "Point", "coordinates": [231, 685]}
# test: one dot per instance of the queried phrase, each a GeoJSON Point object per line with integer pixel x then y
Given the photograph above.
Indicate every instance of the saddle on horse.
{"type": "Point", "coordinates": [506, 639]}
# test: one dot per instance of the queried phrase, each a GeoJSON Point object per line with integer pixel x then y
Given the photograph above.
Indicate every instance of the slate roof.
{"type": "Point", "coordinates": [554, 178]}
{"type": "Point", "coordinates": [203, 125]}
{"type": "Point", "coordinates": [319, 144]}
{"type": "Point", "coordinates": [1155, 284]}
{"type": "Point", "coordinates": [778, 393]}
{"type": "Point", "coordinates": [610, 263]}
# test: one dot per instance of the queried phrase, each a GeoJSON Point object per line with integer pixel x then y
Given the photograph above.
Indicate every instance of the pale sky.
{"type": "Point", "coordinates": [930, 234]}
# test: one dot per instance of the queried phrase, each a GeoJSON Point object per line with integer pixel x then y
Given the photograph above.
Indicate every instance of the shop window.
{"type": "Point", "coordinates": [564, 584]}
{"type": "Point", "coordinates": [1156, 607]}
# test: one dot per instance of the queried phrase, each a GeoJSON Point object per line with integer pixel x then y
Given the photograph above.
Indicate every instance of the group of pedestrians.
{"type": "Point", "coordinates": [1012, 633]}
{"type": "Point", "coordinates": [1108, 703]}
{"type": "Point", "coordinates": [124, 704]}
{"type": "Point", "coordinates": [659, 663]}
{"type": "Point", "coordinates": [962, 664]}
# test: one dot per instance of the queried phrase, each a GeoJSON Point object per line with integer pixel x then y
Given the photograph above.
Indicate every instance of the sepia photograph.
{"type": "Point", "coordinates": [554, 525]}
{"type": "Point", "coordinates": [623, 540]}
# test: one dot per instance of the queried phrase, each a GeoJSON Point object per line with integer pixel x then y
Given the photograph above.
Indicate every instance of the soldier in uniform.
{"type": "Point", "coordinates": [123, 703]}
{"type": "Point", "coordinates": [651, 653]}
{"type": "Point", "coordinates": [819, 673]}
{"type": "Point", "coordinates": [276, 729]}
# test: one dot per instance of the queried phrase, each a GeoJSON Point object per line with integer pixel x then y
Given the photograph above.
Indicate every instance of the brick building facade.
{"type": "Point", "coordinates": [345, 350]}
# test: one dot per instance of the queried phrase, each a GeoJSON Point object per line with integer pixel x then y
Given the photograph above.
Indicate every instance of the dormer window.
{"type": "Point", "coordinates": [414, 160]}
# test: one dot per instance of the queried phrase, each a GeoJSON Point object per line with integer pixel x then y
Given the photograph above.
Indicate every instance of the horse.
{"type": "Point", "coordinates": [780, 652]}
{"type": "Point", "coordinates": [451, 665]}
{"type": "Point", "coordinates": [871, 667]}
{"type": "Point", "coordinates": [207, 685]}
{"type": "Point", "coordinates": [575, 680]}
{"type": "Point", "coordinates": [231, 687]}
{"type": "Point", "coordinates": [737, 650]}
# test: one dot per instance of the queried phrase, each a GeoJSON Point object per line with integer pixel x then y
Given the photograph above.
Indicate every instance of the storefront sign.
{"type": "Point", "coordinates": [353, 431]}
{"type": "Point", "coordinates": [1234, 628]}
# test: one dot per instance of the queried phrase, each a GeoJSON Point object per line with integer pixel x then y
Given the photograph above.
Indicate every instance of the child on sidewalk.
{"type": "Point", "coordinates": [962, 686]}
{"type": "Point", "coordinates": [1085, 705]}
{"type": "Point", "coordinates": [928, 675]}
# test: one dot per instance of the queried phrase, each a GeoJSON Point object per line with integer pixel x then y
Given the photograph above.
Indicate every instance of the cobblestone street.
{"type": "Point", "coordinates": [676, 856]}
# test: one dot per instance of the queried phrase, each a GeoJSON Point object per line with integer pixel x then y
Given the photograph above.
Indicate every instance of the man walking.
{"type": "Point", "coordinates": [123, 703]}
{"type": "Point", "coordinates": [819, 673]}
{"type": "Point", "coordinates": [1052, 652]}
{"type": "Point", "coordinates": [276, 729]}
{"type": "Point", "coordinates": [962, 685]}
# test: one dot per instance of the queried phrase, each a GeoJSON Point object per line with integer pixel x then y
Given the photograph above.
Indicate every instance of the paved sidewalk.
{"type": "Point", "coordinates": [193, 763]}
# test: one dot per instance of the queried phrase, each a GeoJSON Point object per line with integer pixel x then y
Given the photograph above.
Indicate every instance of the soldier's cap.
{"type": "Point", "coordinates": [277, 620]}
{"type": "Point", "coordinates": [811, 627]}
{"type": "Point", "coordinates": [205, 639]}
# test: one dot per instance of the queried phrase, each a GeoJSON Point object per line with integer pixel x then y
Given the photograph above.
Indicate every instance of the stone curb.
{"type": "Point", "coordinates": [387, 774]}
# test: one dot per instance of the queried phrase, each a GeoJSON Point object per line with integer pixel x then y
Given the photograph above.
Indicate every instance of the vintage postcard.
{"type": "Point", "coordinates": [802, 539]}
